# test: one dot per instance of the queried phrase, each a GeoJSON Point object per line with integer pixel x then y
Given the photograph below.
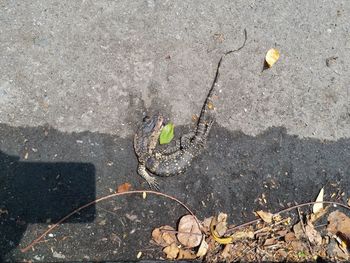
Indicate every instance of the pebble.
{"type": "Point", "coordinates": [58, 255]}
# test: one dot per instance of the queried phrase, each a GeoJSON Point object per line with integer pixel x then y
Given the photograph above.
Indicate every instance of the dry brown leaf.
{"type": "Point", "coordinates": [289, 237]}
{"type": "Point", "coordinates": [282, 233]}
{"type": "Point", "coordinates": [313, 235]}
{"type": "Point", "coordinates": [221, 228]}
{"type": "Point", "coordinates": [272, 56]}
{"type": "Point", "coordinates": [171, 251]}
{"type": "Point", "coordinates": [270, 241]}
{"type": "Point", "coordinates": [203, 249]}
{"type": "Point", "coordinates": [334, 250]}
{"type": "Point", "coordinates": [243, 234]}
{"type": "Point", "coordinates": [299, 245]}
{"type": "Point", "coordinates": [206, 224]}
{"type": "Point", "coordinates": [298, 230]}
{"type": "Point", "coordinates": [186, 254]}
{"type": "Point", "coordinates": [318, 207]}
{"type": "Point", "coordinates": [124, 188]}
{"type": "Point", "coordinates": [189, 233]}
{"type": "Point", "coordinates": [339, 224]}
{"type": "Point", "coordinates": [164, 235]}
{"type": "Point", "coordinates": [222, 217]}
{"type": "Point", "coordinates": [277, 217]}
{"type": "Point", "coordinates": [169, 237]}
{"type": "Point", "coordinates": [226, 252]}
{"type": "Point", "coordinates": [282, 253]}
{"type": "Point", "coordinates": [157, 236]}
{"type": "Point", "coordinates": [221, 224]}
{"type": "Point", "coordinates": [265, 216]}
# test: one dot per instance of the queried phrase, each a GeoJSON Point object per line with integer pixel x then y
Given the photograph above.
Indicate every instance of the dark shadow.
{"type": "Point", "coordinates": [237, 174]}
{"type": "Point", "coordinates": [35, 192]}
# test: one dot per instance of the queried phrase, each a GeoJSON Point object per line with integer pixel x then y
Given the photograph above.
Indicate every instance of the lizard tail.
{"type": "Point", "coordinates": [207, 113]}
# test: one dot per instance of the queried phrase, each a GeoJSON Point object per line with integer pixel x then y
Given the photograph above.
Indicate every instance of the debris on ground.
{"type": "Point", "coordinates": [300, 236]}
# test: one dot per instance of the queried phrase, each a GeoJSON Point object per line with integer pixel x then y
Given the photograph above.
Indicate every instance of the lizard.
{"type": "Point", "coordinates": [175, 160]}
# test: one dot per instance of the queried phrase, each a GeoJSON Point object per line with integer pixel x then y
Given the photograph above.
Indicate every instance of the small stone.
{"type": "Point", "coordinates": [38, 258]}
{"type": "Point", "coordinates": [58, 255]}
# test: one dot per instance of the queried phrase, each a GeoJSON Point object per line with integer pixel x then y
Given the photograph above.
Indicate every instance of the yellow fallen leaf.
{"type": "Point", "coordinates": [139, 255]}
{"type": "Point", "coordinates": [316, 208]}
{"type": "Point", "coordinates": [144, 195]}
{"type": "Point", "coordinates": [272, 56]}
{"type": "Point", "coordinates": [217, 238]}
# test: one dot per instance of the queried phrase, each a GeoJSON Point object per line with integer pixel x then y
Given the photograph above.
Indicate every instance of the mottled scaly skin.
{"type": "Point", "coordinates": [177, 159]}
{"type": "Point", "coordinates": [169, 164]}
{"type": "Point", "coordinates": [145, 141]}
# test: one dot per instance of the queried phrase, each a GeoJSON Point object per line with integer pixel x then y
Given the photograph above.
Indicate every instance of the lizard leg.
{"type": "Point", "coordinates": [209, 125]}
{"type": "Point", "coordinates": [171, 149]}
{"type": "Point", "coordinates": [204, 137]}
{"type": "Point", "coordinates": [185, 140]}
{"type": "Point", "coordinates": [182, 143]}
{"type": "Point", "coordinates": [152, 182]}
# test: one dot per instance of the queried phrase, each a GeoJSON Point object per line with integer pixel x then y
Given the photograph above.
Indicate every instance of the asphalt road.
{"type": "Point", "coordinates": [78, 76]}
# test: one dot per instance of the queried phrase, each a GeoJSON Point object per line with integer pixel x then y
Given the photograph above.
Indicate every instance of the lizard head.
{"type": "Point", "coordinates": [147, 135]}
{"type": "Point", "coordinates": [152, 124]}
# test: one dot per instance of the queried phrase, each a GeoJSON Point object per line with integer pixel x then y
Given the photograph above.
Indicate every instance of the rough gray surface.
{"type": "Point", "coordinates": [90, 69]}
{"type": "Point", "coordinates": [96, 65]}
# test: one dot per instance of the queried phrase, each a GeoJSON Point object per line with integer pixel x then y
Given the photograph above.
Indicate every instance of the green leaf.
{"type": "Point", "coordinates": [167, 134]}
{"type": "Point", "coordinates": [301, 254]}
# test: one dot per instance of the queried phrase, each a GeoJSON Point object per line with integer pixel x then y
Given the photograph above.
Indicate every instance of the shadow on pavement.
{"type": "Point", "coordinates": [41, 192]}
{"type": "Point", "coordinates": [237, 174]}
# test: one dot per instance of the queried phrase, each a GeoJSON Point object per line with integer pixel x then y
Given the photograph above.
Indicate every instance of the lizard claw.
{"type": "Point", "coordinates": [153, 184]}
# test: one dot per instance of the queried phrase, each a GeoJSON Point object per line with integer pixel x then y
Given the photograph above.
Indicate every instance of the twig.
{"type": "Point", "coordinates": [273, 225]}
{"type": "Point", "coordinates": [245, 252]}
{"type": "Point", "coordinates": [35, 241]}
{"type": "Point", "coordinates": [179, 232]}
{"type": "Point", "coordinates": [286, 210]}
{"type": "Point", "coordinates": [304, 230]}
